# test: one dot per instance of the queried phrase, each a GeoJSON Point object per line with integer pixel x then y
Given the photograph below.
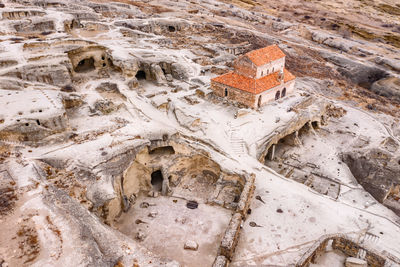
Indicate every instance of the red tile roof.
{"type": "Point", "coordinates": [265, 55]}
{"type": "Point", "coordinates": [251, 85]}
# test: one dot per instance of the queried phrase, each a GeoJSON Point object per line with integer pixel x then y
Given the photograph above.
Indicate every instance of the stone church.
{"type": "Point", "coordinates": [259, 77]}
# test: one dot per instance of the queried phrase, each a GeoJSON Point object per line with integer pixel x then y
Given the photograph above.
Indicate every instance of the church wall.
{"type": "Point", "coordinates": [270, 67]}
{"type": "Point", "coordinates": [245, 67]}
{"type": "Point", "coordinates": [236, 95]}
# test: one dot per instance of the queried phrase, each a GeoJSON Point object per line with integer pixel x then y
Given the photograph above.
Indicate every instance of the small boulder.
{"type": "Point", "coordinates": [108, 87]}
{"type": "Point", "coordinates": [169, 77]}
{"type": "Point", "coordinates": [280, 26]}
{"type": "Point", "coordinates": [153, 214]}
{"type": "Point", "coordinates": [105, 106]}
{"type": "Point", "coordinates": [140, 235]}
{"type": "Point", "coordinates": [72, 101]}
{"type": "Point", "coordinates": [241, 112]}
{"type": "Point", "coordinates": [153, 194]}
{"type": "Point", "coordinates": [191, 245]}
{"type": "Point", "coordinates": [133, 83]}
{"type": "Point", "coordinates": [68, 88]}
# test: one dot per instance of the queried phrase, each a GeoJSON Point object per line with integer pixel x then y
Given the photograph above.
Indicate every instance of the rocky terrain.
{"type": "Point", "coordinates": [115, 152]}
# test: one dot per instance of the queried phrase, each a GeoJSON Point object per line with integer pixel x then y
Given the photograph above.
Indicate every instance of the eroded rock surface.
{"type": "Point", "coordinates": [115, 152]}
{"type": "Point", "coordinates": [389, 87]}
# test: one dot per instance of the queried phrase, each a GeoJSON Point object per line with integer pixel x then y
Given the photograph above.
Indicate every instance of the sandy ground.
{"type": "Point", "coordinates": [173, 225]}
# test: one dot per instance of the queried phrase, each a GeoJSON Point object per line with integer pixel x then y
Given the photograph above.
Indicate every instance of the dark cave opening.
{"type": "Point", "coordinates": [164, 150]}
{"type": "Point", "coordinates": [157, 180]}
{"type": "Point", "coordinates": [85, 65]}
{"type": "Point", "coordinates": [141, 75]}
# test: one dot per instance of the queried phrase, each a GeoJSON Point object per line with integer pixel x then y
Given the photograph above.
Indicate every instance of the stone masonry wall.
{"type": "Point", "coordinates": [245, 197]}
{"type": "Point", "coordinates": [220, 261]}
{"type": "Point", "coordinates": [249, 99]}
{"type": "Point", "coordinates": [351, 248]}
{"type": "Point", "coordinates": [344, 244]}
{"type": "Point", "coordinates": [231, 236]}
{"type": "Point", "coordinates": [270, 67]}
{"type": "Point", "coordinates": [245, 67]}
{"type": "Point", "coordinates": [236, 95]}
{"type": "Point", "coordinates": [269, 95]}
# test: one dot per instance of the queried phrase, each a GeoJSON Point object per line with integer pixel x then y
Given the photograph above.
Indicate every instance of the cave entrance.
{"type": "Point", "coordinates": [85, 65]}
{"type": "Point", "coordinates": [141, 75]}
{"type": "Point", "coordinates": [268, 155]}
{"type": "Point", "coordinates": [171, 28]}
{"type": "Point", "coordinates": [157, 180]}
{"type": "Point", "coordinates": [164, 150]}
{"type": "Point", "coordinates": [304, 130]}
{"type": "Point", "coordinates": [289, 140]}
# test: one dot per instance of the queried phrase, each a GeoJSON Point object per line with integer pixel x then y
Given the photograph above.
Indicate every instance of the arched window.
{"type": "Point", "coordinates": [284, 92]}
{"type": "Point", "coordinates": [277, 95]}
{"type": "Point", "coordinates": [226, 91]}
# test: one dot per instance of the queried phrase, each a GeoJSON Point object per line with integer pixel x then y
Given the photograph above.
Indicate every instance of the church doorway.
{"type": "Point", "coordinates": [277, 95]}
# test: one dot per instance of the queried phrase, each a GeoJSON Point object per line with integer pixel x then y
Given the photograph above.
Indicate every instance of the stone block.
{"type": "Point", "coordinates": [355, 262]}
{"type": "Point", "coordinates": [230, 239]}
{"type": "Point", "coordinates": [153, 214]}
{"type": "Point", "coordinates": [140, 235]}
{"type": "Point", "coordinates": [220, 261]}
{"type": "Point", "coordinates": [191, 245]}
{"type": "Point", "coordinates": [246, 195]}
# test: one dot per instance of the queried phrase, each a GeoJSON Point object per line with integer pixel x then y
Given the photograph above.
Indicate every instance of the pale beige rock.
{"type": "Point", "coordinates": [355, 262]}
{"type": "Point", "coordinates": [191, 245]}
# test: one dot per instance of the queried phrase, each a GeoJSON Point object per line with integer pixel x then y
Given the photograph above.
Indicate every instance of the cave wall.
{"type": "Point", "coordinates": [377, 171]}
{"type": "Point", "coordinates": [136, 178]}
{"type": "Point", "coordinates": [187, 172]}
{"type": "Point", "coordinates": [95, 58]}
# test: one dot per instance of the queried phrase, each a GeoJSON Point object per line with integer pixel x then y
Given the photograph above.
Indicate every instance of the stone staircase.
{"type": "Point", "coordinates": [361, 254]}
{"type": "Point", "coordinates": [13, 143]}
{"type": "Point", "coordinates": [390, 263]}
{"type": "Point", "coordinates": [370, 239]}
{"type": "Point", "coordinates": [48, 98]}
{"type": "Point", "coordinates": [309, 180]}
{"type": "Point", "coordinates": [238, 145]}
